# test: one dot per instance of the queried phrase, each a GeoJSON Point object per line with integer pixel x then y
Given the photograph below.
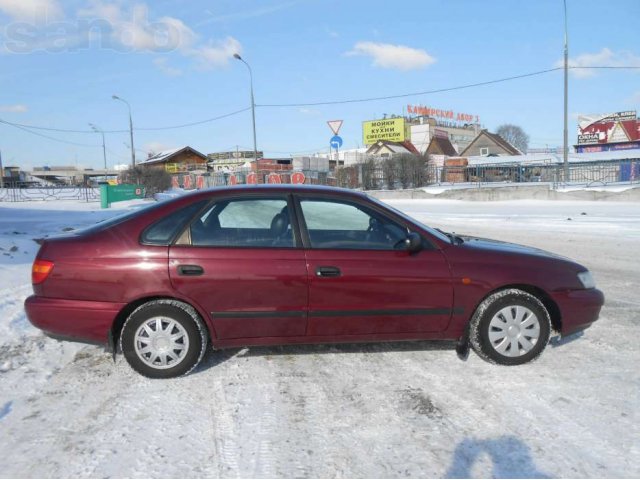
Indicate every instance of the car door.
{"type": "Point", "coordinates": [240, 261]}
{"type": "Point", "coordinates": [362, 281]}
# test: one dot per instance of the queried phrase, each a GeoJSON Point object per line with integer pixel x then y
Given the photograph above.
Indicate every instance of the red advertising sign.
{"type": "Point", "coordinates": [252, 178]}
{"type": "Point", "coordinates": [297, 177]}
{"type": "Point", "coordinates": [174, 182]}
{"type": "Point", "coordinates": [233, 180]}
{"type": "Point", "coordinates": [446, 114]}
{"type": "Point", "coordinates": [616, 127]}
{"type": "Point", "coordinates": [186, 182]}
{"type": "Point", "coordinates": [274, 178]}
{"type": "Point", "coordinates": [199, 182]}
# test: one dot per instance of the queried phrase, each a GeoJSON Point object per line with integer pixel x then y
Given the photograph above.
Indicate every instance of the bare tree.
{"type": "Point", "coordinates": [390, 172]}
{"type": "Point", "coordinates": [515, 135]}
{"type": "Point", "coordinates": [153, 179]}
{"type": "Point", "coordinates": [369, 169]}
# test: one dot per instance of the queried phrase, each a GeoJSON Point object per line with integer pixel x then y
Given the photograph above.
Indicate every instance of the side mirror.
{"type": "Point", "coordinates": [413, 242]}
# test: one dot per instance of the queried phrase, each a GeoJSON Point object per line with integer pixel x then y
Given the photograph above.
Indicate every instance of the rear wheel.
{"type": "Point", "coordinates": [163, 339]}
{"type": "Point", "coordinates": [510, 327]}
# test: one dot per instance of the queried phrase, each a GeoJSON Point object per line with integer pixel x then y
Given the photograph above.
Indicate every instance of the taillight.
{"type": "Point", "coordinates": [40, 271]}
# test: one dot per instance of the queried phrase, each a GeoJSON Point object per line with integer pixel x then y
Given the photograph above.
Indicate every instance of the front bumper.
{"type": "Point", "coordinates": [578, 308]}
{"type": "Point", "coordinates": [72, 319]}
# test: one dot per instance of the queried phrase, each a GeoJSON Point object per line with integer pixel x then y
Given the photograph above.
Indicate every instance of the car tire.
{"type": "Point", "coordinates": [163, 339]}
{"type": "Point", "coordinates": [510, 327]}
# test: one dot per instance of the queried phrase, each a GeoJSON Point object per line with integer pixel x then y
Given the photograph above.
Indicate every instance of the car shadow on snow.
{"type": "Point", "coordinates": [216, 357]}
{"type": "Point", "coordinates": [510, 458]}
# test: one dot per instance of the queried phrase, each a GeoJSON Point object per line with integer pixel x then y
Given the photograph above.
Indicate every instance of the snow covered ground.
{"type": "Point", "coordinates": [385, 410]}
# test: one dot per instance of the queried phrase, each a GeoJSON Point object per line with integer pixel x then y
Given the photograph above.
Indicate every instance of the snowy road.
{"type": "Point", "coordinates": [386, 410]}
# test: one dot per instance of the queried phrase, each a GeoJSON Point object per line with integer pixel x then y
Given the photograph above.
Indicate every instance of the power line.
{"type": "Point", "coordinates": [47, 136]}
{"type": "Point", "coordinates": [439, 90]}
{"type": "Point", "coordinates": [62, 130]}
{"type": "Point", "coordinates": [311, 104]}
{"type": "Point", "coordinates": [196, 123]}
{"type": "Point", "coordinates": [413, 94]}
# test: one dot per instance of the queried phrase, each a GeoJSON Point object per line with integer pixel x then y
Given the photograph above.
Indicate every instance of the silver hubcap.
{"type": "Point", "coordinates": [161, 342]}
{"type": "Point", "coordinates": [514, 331]}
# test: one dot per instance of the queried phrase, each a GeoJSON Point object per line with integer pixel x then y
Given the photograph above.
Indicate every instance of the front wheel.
{"type": "Point", "coordinates": [163, 339]}
{"type": "Point", "coordinates": [510, 327]}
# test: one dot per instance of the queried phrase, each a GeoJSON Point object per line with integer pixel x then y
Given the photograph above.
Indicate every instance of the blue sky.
{"type": "Point", "coordinates": [60, 62]}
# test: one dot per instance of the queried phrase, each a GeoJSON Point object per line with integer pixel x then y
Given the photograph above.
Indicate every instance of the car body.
{"type": "Point", "coordinates": [272, 265]}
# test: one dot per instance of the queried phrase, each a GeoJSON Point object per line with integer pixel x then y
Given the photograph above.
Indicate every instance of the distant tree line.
{"type": "Point", "coordinates": [398, 172]}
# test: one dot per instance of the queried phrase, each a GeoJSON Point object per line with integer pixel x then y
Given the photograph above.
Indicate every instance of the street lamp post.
{"type": "Point", "coordinates": [565, 147]}
{"type": "Point", "coordinates": [253, 106]}
{"type": "Point", "coordinates": [104, 148]}
{"type": "Point", "coordinates": [133, 152]}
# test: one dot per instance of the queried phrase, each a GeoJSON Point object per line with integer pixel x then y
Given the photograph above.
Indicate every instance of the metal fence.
{"type": "Point", "coordinates": [21, 192]}
{"type": "Point", "coordinates": [377, 175]}
{"type": "Point", "coordinates": [373, 175]}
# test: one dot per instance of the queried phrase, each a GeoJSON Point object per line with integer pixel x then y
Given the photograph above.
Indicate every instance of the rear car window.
{"type": "Point", "coordinates": [163, 231]}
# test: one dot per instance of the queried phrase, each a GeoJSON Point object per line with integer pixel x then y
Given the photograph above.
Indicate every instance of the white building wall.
{"type": "Point", "coordinates": [421, 136]}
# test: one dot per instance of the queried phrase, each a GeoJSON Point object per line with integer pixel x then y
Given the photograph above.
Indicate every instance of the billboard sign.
{"type": "Point", "coordinates": [437, 132]}
{"type": "Point", "coordinates": [390, 129]}
{"type": "Point", "coordinates": [444, 114]}
{"type": "Point", "coordinates": [616, 127]}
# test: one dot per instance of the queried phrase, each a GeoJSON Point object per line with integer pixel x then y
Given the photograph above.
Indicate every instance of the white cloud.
{"type": "Point", "coordinates": [216, 54]}
{"type": "Point", "coordinates": [134, 30]}
{"type": "Point", "coordinates": [157, 147]}
{"type": "Point", "coordinates": [634, 98]}
{"type": "Point", "coordinates": [398, 57]}
{"type": "Point", "coordinates": [162, 63]}
{"type": "Point", "coordinates": [116, 25]}
{"type": "Point", "coordinates": [603, 58]}
{"type": "Point", "coordinates": [239, 14]}
{"type": "Point", "coordinates": [331, 33]}
{"type": "Point", "coordinates": [308, 111]}
{"type": "Point", "coordinates": [32, 10]}
{"type": "Point", "coordinates": [18, 108]}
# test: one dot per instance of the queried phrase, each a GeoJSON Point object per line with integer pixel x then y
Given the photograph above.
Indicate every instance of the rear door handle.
{"type": "Point", "coordinates": [328, 272]}
{"type": "Point", "coordinates": [190, 270]}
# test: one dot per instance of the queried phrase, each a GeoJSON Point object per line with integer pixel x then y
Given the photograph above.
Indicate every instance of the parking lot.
{"type": "Point", "coordinates": [383, 410]}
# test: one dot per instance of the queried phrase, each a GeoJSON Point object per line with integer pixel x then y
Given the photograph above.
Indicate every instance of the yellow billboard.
{"type": "Point", "coordinates": [391, 129]}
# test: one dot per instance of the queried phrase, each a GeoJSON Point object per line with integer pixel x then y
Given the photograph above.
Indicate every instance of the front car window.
{"type": "Point", "coordinates": [432, 231]}
{"type": "Point", "coordinates": [342, 225]}
{"type": "Point", "coordinates": [258, 223]}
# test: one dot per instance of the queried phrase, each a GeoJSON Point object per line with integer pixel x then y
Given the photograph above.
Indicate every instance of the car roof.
{"type": "Point", "coordinates": [279, 188]}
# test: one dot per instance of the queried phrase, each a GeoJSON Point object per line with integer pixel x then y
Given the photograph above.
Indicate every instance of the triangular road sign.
{"type": "Point", "coordinates": [335, 125]}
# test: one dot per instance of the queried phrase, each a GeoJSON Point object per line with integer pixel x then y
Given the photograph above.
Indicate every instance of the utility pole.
{"type": "Point", "coordinates": [133, 150]}
{"type": "Point", "coordinates": [253, 106]}
{"type": "Point", "coordinates": [104, 148]}
{"type": "Point", "coordinates": [565, 148]}
{"type": "Point", "coordinates": [1, 171]}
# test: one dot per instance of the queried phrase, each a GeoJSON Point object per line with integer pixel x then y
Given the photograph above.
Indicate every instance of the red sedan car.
{"type": "Point", "coordinates": [268, 265]}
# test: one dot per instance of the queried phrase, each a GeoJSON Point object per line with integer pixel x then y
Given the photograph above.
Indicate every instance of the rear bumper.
{"type": "Point", "coordinates": [72, 319]}
{"type": "Point", "coordinates": [578, 308]}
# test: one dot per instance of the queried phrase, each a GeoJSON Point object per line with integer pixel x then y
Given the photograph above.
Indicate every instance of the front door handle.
{"type": "Point", "coordinates": [190, 270]}
{"type": "Point", "coordinates": [328, 272]}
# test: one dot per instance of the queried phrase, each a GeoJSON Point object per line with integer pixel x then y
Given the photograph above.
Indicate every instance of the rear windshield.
{"type": "Point", "coordinates": [121, 217]}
